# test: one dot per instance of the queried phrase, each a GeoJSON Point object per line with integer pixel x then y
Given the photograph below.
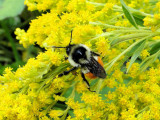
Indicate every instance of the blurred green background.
{"type": "Point", "coordinates": [13, 14]}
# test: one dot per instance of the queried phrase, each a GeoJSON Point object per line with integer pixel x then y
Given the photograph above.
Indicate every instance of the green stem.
{"type": "Point", "coordinates": [65, 113]}
{"type": "Point", "coordinates": [131, 30]}
{"type": "Point", "coordinates": [128, 37]}
{"type": "Point", "coordinates": [134, 11]}
{"type": "Point", "coordinates": [106, 25]}
{"type": "Point", "coordinates": [99, 84]}
{"type": "Point", "coordinates": [116, 27]}
{"type": "Point", "coordinates": [141, 111]}
{"type": "Point", "coordinates": [106, 34]}
{"type": "Point", "coordinates": [50, 106]}
{"type": "Point", "coordinates": [96, 4]}
{"type": "Point", "coordinates": [72, 95]}
{"type": "Point", "coordinates": [52, 76]}
{"type": "Point", "coordinates": [24, 90]}
{"type": "Point", "coordinates": [148, 61]}
{"type": "Point", "coordinates": [11, 40]}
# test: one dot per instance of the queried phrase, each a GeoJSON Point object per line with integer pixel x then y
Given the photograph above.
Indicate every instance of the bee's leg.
{"type": "Point", "coordinates": [67, 72]}
{"type": "Point", "coordinates": [65, 58]}
{"type": "Point", "coordinates": [84, 79]}
{"type": "Point", "coordinates": [95, 54]}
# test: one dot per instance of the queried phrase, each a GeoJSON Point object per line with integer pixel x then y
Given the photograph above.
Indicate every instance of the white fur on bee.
{"type": "Point", "coordinates": [85, 70]}
{"type": "Point", "coordinates": [96, 58]}
{"type": "Point", "coordinates": [83, 61]}
{"type": "Point", "coordinates": [71, 61]}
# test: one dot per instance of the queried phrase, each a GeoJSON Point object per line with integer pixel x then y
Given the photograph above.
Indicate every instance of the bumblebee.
{"type": "Point", "coordinates": [80, 56]}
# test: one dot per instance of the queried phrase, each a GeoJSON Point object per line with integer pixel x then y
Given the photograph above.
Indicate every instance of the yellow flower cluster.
{"type": "Point", "coordinates": [153, 21]}
{"type": "Point", "coordinates": [138, 100]}
{"type": "Point", "coordinates": [144, 54]}
{"type": "Point", "coordinates": [34, 91]}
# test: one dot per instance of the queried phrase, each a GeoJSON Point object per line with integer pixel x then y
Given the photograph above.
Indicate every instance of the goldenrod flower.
{"type": "Point", "coordinates": [34, 91]}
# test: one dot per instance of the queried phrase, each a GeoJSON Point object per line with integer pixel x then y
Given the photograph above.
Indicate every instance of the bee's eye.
{"type": "Point", "coordinates": [68, 49]}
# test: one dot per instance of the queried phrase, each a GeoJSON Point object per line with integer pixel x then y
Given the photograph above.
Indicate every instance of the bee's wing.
{"type": "Point", "coordinates": [95, 68]}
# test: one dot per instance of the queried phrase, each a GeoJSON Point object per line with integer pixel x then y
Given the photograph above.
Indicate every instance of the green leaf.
{"type": "Point", "coordinates": [105, 91]}
{"type": "Point", "coordinates": [149, 60]}
{"type": "Point", "coordinates": [128, 14]}
{"type": "Point", "coordinates": [78, 97]}
{"type": "Point", "coordinates": [130, 53]}
{"type": "Point", "coordinates": [110, 64]}
{"type": "Point", "coordinates": [139, 21]}
{"type": "Point", "coordinates": [155, 48]}
{"type": "Point", "coordinates": [138, 18]}
{"type": "Point", "coordinates": [136, 53]}
{"type": "Point", "coordinates": [10, 8]}
{"type": "Point", "coordinates": [127, 37]}
{"type": "Point", "coordinates": [138, 15]}
{"type": "Point", "coordinates": [70, 112]}
{"type": "Point", "coordinates": [68, 92]}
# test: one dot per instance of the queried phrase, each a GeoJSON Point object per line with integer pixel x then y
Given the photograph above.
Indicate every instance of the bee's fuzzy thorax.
{"type": "Point", "coordinates": [78, 61]}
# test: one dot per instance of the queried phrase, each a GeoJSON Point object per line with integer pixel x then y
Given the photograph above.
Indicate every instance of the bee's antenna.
{"type": "Point", "coordinates": [71, 38]}
{"type": "Point", "coordinates": [69, 42]}
{"type": "Point", "coordinates": [57, 47]}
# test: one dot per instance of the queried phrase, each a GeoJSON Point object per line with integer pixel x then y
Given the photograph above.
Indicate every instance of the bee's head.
{"type": "Point", "coordinates": [69, 48]}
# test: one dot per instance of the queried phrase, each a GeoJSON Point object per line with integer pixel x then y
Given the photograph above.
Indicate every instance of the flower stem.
{"type": "Point", "coordinates": [99, 84]}
{"type": "Point", "coordinates": [11, 40]}
{"type": "Point", "coordinates": [107, 25]}
{"type": "Point", "coordinates": [65, 113]}
{"type": "Point", "coordinates": [110, 64]}
{"type": "Point", "coordinates": [52, 76]}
